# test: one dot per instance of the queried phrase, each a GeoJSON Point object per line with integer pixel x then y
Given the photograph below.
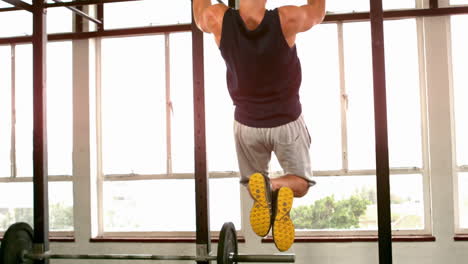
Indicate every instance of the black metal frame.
{"type": "Point", "coordinates": [41, 206]}
{"type": "Point", "coordinates": [331, 18]}
{"type": "Point", "coordinates": [203, 240]}
{"type": "Point", "coordinates": [381, 133]}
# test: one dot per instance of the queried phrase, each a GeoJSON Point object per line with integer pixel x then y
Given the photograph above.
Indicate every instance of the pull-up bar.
{"type": "Point", "coordinates": [69, 5]}
{"type": "Point", "coordinates": [80, 13]}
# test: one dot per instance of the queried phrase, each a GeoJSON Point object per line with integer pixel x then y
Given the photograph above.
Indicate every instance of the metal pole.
{"type": "Point", "coordinates": [124, 257]}
{"type": "Point", "coordinates": [381, 136]}
{"type": "Point", "coordinates": [284, 258]}
{"type": "Point", "coordinates": [201, 171]}
{"type": "Point", "coordinates": [80, 13]}
{"type": "Point", "coordinates": [41, 206]}
{"type": "Point", "coordinates": [279, 258]}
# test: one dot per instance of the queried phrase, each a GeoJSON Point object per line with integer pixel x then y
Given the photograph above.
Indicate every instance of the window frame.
{"type": "Point", "coordinates": [232, 174]}
{"type": "Point", "coordinates": [459, 168]}
{"type": "Point", "coordinates": [13, 178]}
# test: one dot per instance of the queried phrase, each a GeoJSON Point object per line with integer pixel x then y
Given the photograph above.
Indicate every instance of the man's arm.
{"type": "Point", "coordinates": [209, 17]}
{"type": "Point", "coordinates": [295, 19]}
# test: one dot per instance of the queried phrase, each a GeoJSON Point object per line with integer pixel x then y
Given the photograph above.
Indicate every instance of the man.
{"type": "Point", "coordinates": [264, 77]}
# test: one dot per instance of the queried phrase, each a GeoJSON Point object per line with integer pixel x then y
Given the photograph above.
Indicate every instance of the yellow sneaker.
{"type": "Point", "coordinates": [283, 227]}
{"type": "Point", "coordinates": [260, 214]}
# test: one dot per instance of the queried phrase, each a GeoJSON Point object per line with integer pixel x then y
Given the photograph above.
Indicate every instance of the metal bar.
{"type": "Point", "coordinates": [201, 171]}
{"type": "Point", "coordinates": [343, 99]}
{"type": "Point", "coordinates": [100, 16]}
{"type": "Point", "coordinates": [113, 257]}
{"type": "Point", "coordinates": [80, 13]}
{"type": "Point", "coordinates": [167, 52]}
{"type": "Point", "coordinates": [285, 258]}
{"type": "Point", "coordinates": [381, 133]}
{"type": "Point", "coordinates": [30, 179]}
{"type": "Point", "coordinates": [79, 25]}
{"type": "Point", "coordinates": [83, 3]}
{"type": "Point", "coordinates": [400, 14]}
{"type": "Point", "coordinates": [232, 174]}
{"type": "Point", "coordinates": [105, 33]}
{"type": "Point", "coordinates": [19, 4]}
{"type": "Point", "coordinates": [424, 122]}
{"type": "Point", "coordinates": [98, 101]}
{"type": "Point", "coordinates": [13, 170]}
{"type": "Point", "coordinates": [41, 206]}
{"type": "Point", "coordinates": [330, 18]}
{"type": "Point", "coordinates": [9, 9]}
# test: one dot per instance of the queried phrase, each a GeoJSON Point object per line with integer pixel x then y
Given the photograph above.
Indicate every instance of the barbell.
{"type": "Point", "coordinates": [17, 248]}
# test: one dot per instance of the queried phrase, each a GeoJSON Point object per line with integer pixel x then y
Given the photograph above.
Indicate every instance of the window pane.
{"type": "Point", "coordinates": [320, 94]}
{"type": "Point", "coordinates": [350, 203]}
{"type": "Point", "coordinates": [5, 110]}
{"type": "Point", "coordinates": [24, 111]}
{"type": "Point", "coordinates": [403, 93]}
{"type": "Point", "coordinates": [166, 205]}
{"type": "Point", "coordinates": [16, 204]}
{"type": "Point", "coordinates": [460, 84]}
{"type": "Point", "coordinates": [147, 13]}
{"type": "Point", "coordinates": [338, 6]}
{"type": "Point", "coordinates": [459, 2]}
{"type": "Point", "coordinates": [133, 105]}
{"type": "Point", "coordinates": [59, 108]}
{"type": "Point", "coordinates": [59, 20]}
{"type": "Point", "coordinates": [359, 86]}
{"type": "Point", "coordinates": [22, 21]}
{"type": "Point", "coordinates": [463, 199]}
{"type": "Point", "coordinates": [403, 96]}
{"type": "Point", "coordinates": [182, 103]}
{"type": "Point", "coordinates": [221, 150]}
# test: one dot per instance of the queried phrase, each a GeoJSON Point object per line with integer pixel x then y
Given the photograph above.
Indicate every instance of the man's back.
{"type": "Point", "coordinates": [263, 71]}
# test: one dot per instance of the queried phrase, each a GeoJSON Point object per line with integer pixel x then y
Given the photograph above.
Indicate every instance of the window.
{"type": "Point", "coordinates": [59, 20]}
{"type": "Point", "coordinates": [340, 118]}
{"type": "Point", "coordinates": [460, 82]}
{"type": "Point", "coordinates": [148, 140]}
{"type": "Point", "coordinates": [147, 13]}
{"type": "Point", "coordinates": [21, 19]}
{"type": "Point", "coordinates": [221, 151]}
{"type": "Point", "coordinates": [17, 116]}
{"type": "Point", "coordinates": [5, 110]}
{"type": "Point", "coordinates": [133, 105]}
{"type": "Point", "coordinates": [336, 6]}
{"type": "Point", "coordinates": [458, 2]}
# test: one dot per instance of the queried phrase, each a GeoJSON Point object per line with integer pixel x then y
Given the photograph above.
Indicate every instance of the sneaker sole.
{"type": "Point", "coordinates": [260, 214]}
{"type": "Point", "coordinates": [283, 227]}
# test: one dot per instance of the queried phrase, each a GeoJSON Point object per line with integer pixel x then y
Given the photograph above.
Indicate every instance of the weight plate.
{"type": "Point", "coordinates": [227, 243]}
{"type": "Point", "coordinates": [18, 238]}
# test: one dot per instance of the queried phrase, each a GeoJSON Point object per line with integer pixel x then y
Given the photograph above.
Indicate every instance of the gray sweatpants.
{"type": "Point", "coordinates": [289, 142]}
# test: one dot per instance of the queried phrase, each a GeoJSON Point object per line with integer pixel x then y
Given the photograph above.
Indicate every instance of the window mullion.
{"type": "Point", "coordinates": [343, 98]}
{"type": "Point", "coordinates": [13, 113]}
{"type": "Point", "coordinates": [100, 174]}
{"type": "Point", "coordinates": [168, 103]}
{"type": "Point", "coordinates": [424, 123]}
